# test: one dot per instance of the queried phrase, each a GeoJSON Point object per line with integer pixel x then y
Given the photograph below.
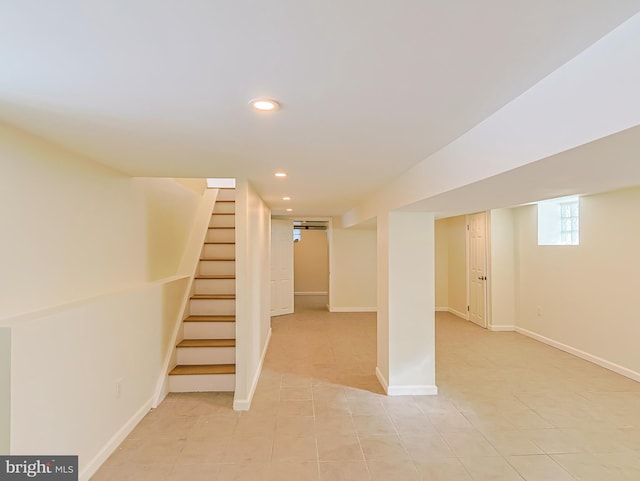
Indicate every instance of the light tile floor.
{"type": "Point", "coordinates": [509, 408]}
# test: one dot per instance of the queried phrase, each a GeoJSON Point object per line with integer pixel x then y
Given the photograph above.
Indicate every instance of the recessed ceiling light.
{"type": "Point", "coordinates": [281, 174]}
{"type": "Point", "coordinates": [265, 105]}
{"type": "Point", "coordinates": [286, 198]}
{"type": "Point", "coordinates": [289, 210]}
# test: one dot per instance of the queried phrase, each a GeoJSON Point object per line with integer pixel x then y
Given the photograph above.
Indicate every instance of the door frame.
{"type": "Point", "coordinates": [329, 221]}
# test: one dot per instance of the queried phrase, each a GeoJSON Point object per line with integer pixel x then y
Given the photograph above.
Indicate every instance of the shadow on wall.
{"type": "Point", "coordinates": [171, 207]}
{"type": "Point", "coordinates": [173, 301]}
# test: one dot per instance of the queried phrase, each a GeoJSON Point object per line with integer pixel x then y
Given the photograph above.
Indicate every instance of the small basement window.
{"type": "Point", "coordinates": [221, 183]}
{"type": "Point", "coordinates": [559, 222]}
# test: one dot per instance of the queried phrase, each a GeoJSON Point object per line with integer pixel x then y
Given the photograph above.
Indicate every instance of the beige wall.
{"type": "Point", "coordinates": [89, 290]}
{"type": "Point", "coordinates": [586, 294]}
{"type": "Point", "coordinates": [311, 263]}
{"type": "Point", "coordinates": [458, 265]}
{"type": "Point", "coordinates": [442, 264]}
{"type": "Point", "coordinates": [451, 265]}
{"type": "Point", "coordinates": [169, 221]}
{"type": "Point", "coordinates": [502, 273]}
{"type": "Point", "coordinates": [353, 270]}
{"type": "Point", "coordinates": [71, 228]}
{"type": "Point", "coordinates": [67, 362]}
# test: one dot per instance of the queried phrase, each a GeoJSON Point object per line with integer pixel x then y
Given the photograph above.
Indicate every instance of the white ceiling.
{"type": "Point", "coordinates": [368, 88]}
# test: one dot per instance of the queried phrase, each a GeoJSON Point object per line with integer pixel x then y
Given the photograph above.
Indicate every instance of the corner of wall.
{"type": "Point", "coordinates": [91, 467]}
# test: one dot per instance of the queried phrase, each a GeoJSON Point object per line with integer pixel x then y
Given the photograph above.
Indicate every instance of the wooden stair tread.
{"type": "Point", "coordinates": [221, 227]}
{"type": "Point", "coordinates": [223, 213]}
{"type": "Point", "coordinates": [181, 370]}
{"type": "Point", "coordinates": [207, 343]}
{"type": "Point", "coordinates": [215, 277]}
{"type": "Point", "coordinates": [210, 319]}
{"type": "Point", "coordinates": [213, 296]}
{"type": "Point", "coordinates": [217, 258]}
{"type": "Point", "coordinates": [219, 242]}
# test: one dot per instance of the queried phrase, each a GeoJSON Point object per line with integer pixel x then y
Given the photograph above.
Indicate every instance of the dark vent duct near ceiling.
{"type": "Point", "coordinates": [310, 225]}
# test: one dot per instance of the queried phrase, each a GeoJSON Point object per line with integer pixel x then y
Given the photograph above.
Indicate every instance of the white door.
{"type": "Point", "coordinates": [477, 255]}
{"type": "Point", "coordinates": [281, 267]}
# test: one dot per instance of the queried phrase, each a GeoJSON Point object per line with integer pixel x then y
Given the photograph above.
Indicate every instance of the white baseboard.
{"type": "Point", "coordinates": [417, 390]}
{"type": "Point", "coordinates": [353, 309]}
{"type": "Point", "coordinates": [383, 381]}
{"type": "Point", "coordinates": [311, 293]}
{"type": "Point", "coordinates": [422, 390]}
{"type": "Point", "coordinates": [631, 374]}
{"type": "Point", "coordinates": [502, 328]}
{"type": "Point", "coordinates": [157, 402]}
{"type": "Point", "coordinates": [245, 404]}
{"type": "Point", "coordinates": [92, 466]}
{"type": "Point", "coordinates": [461, 315]}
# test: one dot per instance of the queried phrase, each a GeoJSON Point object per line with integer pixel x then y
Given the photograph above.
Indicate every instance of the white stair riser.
{"type": "Point", "coordinates": [215, 286]}
{"type": "Point", "coordinates": [219, 250]}
{"type": "Point", "coordinates": [224, 208]}
{"type": "Point", "coordinates": [212, 307]}
{"type": "Point", "coordinates": [222, 221]}
{"type": "Point", "coordinates": [209, 330]}
{"type": "Point", "coordinates": [217, 268]}
{"type": "Point", "coordinates": [203, 383]}
{"type": "Point", "coordinates": [226, 194]}
{"type": "Point", "coordinates": [206, 355]}
{"type": "Point", "coordinates": [221, 235]}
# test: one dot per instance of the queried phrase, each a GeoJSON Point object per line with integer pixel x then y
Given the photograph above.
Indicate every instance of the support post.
{"type": "Point", "coordinates": [406, 303]}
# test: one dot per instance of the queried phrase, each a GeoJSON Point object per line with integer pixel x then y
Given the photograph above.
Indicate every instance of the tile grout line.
{"type": "Point", "coordinates": [364, 458]}
{"type": "Point", "coordinates": [315, 432]}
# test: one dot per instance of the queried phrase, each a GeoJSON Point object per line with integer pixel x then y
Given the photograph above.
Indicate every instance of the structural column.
{"type": "Point", "coordinates": [406, 303]}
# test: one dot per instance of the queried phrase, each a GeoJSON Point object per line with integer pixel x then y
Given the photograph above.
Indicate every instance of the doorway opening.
{"type": "Point", "coordinates": [299, 265]}
{"type": "Point", "coordinates": [311, 264]}
{"type": "Point", "coordinates": [462, 266]}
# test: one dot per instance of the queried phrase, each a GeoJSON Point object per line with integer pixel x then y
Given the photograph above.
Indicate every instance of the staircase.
{"type": "Point", "coordinates": [206, 355]}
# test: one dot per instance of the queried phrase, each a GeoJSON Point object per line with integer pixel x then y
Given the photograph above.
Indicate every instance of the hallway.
{"type": "Point", "coordinates": [509, 408]}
